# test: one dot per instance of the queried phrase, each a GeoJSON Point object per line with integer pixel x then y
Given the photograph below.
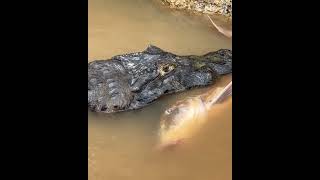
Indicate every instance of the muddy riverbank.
{"type": "Point", "coordinates": [220, 7]}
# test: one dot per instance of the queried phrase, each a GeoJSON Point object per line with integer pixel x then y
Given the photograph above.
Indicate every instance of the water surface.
{"type": "Point", "coordinates": [121, 144]}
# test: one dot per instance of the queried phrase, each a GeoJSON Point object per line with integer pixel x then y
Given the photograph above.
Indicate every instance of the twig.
{"type": "Point", "coordinates": [221, 30]}
{"type": "Point", "coordinates": [224, 94]}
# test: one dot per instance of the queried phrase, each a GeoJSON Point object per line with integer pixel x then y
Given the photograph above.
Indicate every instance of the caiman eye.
{"type": "Point", "coordinates": [166, 68]}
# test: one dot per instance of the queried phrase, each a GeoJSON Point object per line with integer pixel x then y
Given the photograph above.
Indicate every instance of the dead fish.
{"type": "Point", "coordinates": [182, 120]}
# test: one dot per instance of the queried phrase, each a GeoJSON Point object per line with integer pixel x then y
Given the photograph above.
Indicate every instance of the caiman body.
{"type": "Point", "coordinates": [132, 81]}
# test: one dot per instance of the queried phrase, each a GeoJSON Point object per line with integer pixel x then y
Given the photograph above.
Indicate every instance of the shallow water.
{"type": "Point", "coordinates": [121, 144]}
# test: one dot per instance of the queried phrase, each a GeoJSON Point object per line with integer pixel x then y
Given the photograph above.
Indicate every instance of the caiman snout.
{"type": "Point", "coordinates": [220, 61]}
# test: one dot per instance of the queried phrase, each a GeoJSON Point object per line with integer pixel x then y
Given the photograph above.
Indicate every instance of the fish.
{"type": "Point", "coordinates": [185, 118]}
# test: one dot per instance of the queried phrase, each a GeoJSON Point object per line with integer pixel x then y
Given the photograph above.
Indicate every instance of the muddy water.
{"type": "Point", "coordinates": [121, 145]}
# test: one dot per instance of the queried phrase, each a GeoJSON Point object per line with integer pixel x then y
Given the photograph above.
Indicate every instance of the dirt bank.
{"type": "Point", "coordinates": [221, 7]}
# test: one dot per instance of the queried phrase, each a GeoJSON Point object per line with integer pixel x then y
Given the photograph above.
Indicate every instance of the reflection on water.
{"type": "Point", "coordinates": [121, 144]}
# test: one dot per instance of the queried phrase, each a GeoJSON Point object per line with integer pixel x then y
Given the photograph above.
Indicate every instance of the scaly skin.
{"type": "Point", "coordinates": [132, 81]}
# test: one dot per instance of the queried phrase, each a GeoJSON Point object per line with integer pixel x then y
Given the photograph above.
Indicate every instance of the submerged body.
{"type": "Point", "coordinates": [183, 119]}
{"type": "Point", "coordinates": [132, 81]}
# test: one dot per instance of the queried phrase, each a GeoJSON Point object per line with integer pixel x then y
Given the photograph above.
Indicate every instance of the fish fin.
{"type": "Point", "coordinates": [170, 146]}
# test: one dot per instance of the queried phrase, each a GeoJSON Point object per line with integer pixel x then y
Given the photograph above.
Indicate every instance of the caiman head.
{"type": "Point", "coordinates": [132, 81]}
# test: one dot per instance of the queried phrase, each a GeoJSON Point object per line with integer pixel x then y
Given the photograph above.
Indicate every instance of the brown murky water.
{"type": "Point", "coordinates": [121, 145]}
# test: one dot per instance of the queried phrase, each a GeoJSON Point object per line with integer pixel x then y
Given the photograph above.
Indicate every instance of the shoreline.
{"type": "Point", "coordinates": [211, 7]}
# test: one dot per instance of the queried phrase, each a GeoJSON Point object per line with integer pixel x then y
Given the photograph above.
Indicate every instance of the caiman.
{"type": "Point", "coordinates": [132, 81]}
